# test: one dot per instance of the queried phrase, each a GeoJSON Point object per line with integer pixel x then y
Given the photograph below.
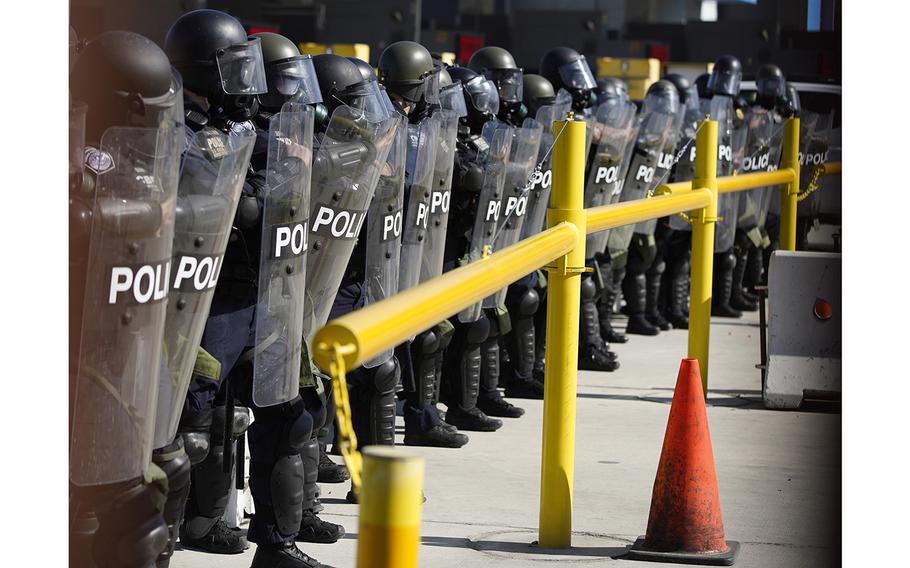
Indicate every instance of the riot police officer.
{"type": "Point", "coordinates": [126, 124]}
{"type": "Point", "coordinates": [498, 65]}
{"type": "Point", "coordinates": [566, 69]}
{"type": "Point", "coordinates": [203, 45]}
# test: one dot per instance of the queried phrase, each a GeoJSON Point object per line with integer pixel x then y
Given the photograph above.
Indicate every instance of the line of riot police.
{"type": "Point", "coordinates": [229, 196]}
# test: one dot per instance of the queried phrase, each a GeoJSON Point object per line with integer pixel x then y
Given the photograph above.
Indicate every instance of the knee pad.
{"type": "Point", "coordinates": [657, 268]}
{"type": "Point", "coordinates": [131, 532]}
{"type": "Point", "coordinates": [386, 376]}
{"type": "Point", "coordinates": [444, 331]}
{"type": "Point", "coordinates": [529, 303]}
{"type": "Point", "coordinates": [588, 288]}
{"type": "Point", "coordinates": [286, 487]}
{"type": "Point", "coordinates": [429, 342]}
{"type": "Point", "coordinates": [725, 260]}
{"type": "Point", "coordinates": [299, 428]}
{"type": "Point", "coordinates": [196, 445]}
{"type": "Point", "coordinates": [477, 332]}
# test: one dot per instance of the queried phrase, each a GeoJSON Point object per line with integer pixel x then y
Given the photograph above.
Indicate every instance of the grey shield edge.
{"type": "Point", "coordinates": [282, 261]}
{"type": "Point", "coordinates": [423, 140]}
{"type": "Point", "coordinates": [721, 109]}
{"type": "Point", "coordinates": [384, 227]}
{"type": "Point", "coordinates": [616, 132]}
{"type": "Point", "coordinates": [522, 156]}
{"type": "Point", "coordinates": [346, 168]}
{"type": "Point", "coordinates": [498, 136]}
{"type": "Point", "coordinates": [211, 179]}
{"type": "Point", "coordinates": [125, 301]}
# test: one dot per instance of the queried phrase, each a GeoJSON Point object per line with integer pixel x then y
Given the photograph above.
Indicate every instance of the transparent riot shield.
{"type": "Point", "coordinates": [440, 196]}
{"type": "Point", "coordinates": [423, 140]}
{"type": "Point", "coordinates": [641, 176]}
{"type": "Point", "coordinates": [815, 139]}
{"type": "Point", "coordinates": [125, 302]}
{"type": "Point", "coordinates": [665, 162]}
{"type": "Point", "coordinates": [211, 178]}
{"type": "Point", "coordinates": [522, 154]}
{"type": "Point", "coordinates": [542, 182]}
{"type": "Point", "coordinates": [756, 157]}
{"type": "Point", "coordinates": [282, 260]}
{"type": "Point", "coordinates": [346, 168]}
{"type": "Point", "coordinates": [616, 134]}
{"type": "Point", "coordinates": [384, 220]}
{"type": "Point", "coordinates": [769, 194]}
{"type": "Point", "coordinates": [685, 151]}
{"type": "Point", "coordinates": [498, 137]}
{"type": "Point", "coordinates": [721, 110]}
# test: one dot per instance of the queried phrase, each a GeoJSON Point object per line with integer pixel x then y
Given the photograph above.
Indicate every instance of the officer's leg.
{"type": "Point", "coordinates": [175, 463]}
{"type": "Point", "coordinates": [677, 278]}
{"type": "Point", "coordinates": [312, 528]}
{"type": "Point", "coordinates": [540, 331]}
{"type": "Point", "coordinates": [489, 400]}
{"type": "Point", "coordinates": [522, 302]}
{"type": "Point", "coordinates": [653, 279]}
{"type": "Point", "coordinates": [468, 350]}
{"type": "Point", "coordinates": [634, 286]}
{"type": "Point", "coordinates": [372, 395]}
{"type": "Point", "coordinates": [724, 264]}
{"type": "Point", "coordinates": [738, 300]}
{"type": "Point", "coordinates": [422, 424]}
{"type": "Point", "coordinates": [607, 300]}
{"type": "Point", "coordinates": [593, 354]}
{"type": "Point", "coordinates": [131, 531]}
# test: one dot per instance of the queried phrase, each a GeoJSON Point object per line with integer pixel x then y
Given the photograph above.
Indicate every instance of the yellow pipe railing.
{"type": "Point", "coordinates": [362, 334]}
{"type": "Point", "coordinates": [375, 328]}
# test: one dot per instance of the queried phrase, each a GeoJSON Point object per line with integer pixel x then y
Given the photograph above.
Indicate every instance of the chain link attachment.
{"type": "Point", "coordinates": [353, 460]}
{"type": "Point", "coordinates": [813, 183]}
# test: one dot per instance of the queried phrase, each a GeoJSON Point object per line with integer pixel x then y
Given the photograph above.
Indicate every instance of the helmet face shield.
{"type": "Point", "coordinates": [368, 98]}
{"type": "Point", "coordinates": [295, 79]}
{"type": "Point", "coordinates": [508, 83]}
{"type": "Point", "coordinates": [165, 109]}
{"type": "Point", "coordinates": [577, 75]}
{"type": "Point", "coordinates": [725, 83]}
{"type": "Point", "coordinates": [771, 87]}
{"type": "Point", "coordinates": [483, 94]}
{"type": "Point", "coordinates": [241, 69]}
{"type": "Point", "coordinates": [431, 86]}
{"type": "Point", "coordinates": [452, 98]}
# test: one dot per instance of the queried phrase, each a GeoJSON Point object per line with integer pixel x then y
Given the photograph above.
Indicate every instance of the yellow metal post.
{"type": "Point", "coordinates": [390, 501]}
{"type": "Point", "coordinates": [703, 249]}
{"type": "Point", "coordinates": [788, 192]}
{"type": "Point", "coordinates": [561, 374]}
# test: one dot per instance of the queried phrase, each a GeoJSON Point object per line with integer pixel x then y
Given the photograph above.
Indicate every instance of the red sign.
{"type": "Point", "coordinates": [467, 45]}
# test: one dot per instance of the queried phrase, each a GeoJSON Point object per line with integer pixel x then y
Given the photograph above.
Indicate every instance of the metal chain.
{"type": "Point", "coordinates": [353, 461]}
{"type": "Point", "coordinates": [813, 183]}
{"type": "Point", "coordinates": [679, 155]}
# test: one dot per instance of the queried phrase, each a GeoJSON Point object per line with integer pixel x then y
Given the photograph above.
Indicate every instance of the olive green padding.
{"type": "Point", "coordinates": [155, 477]}
{"type": "Point", "coordinates": [444, 328]}
{"type": "Point", "coordinates": [306, 371]}
{"type": "Point", "coordinates": [404, 62]}
{"type": "Point", "coordinates": [541, 279]}
{"type": "Point", "coordinates": [206, 366]}
{"type": "Point", "coordinates": [276, 47]}
{"type": "Point", "coordinates": [503, 319]}
{"type": "Point", "coordinates": [491, 57]}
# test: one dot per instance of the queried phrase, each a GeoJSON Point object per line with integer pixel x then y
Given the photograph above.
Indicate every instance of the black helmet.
{"type": "Point", "coordinates": [726, 76]}
{"type": "Point", "coordinates": [661, 97]}
{"type": "Point", "coordinates": [610, 88]}
{"type": "Point", "coordinates": [537, 92]}
{"type": "Point", "coordinates": [216, 60]}
{"type": "Point", "coordinates": [480, 94]}
{"type": "Point", "coordinates": [498, 65]}
{"type": "Point", "coordinates": [366, 71]}
{"type": "Point", "coordinates": [701, 84]}
{"type": "Point", "coordinates": [289, 75]}
{"type": "Point", "coordinates": [566, 69]}
{"type": "Point", "coordinates": [341, 83]}
{"type": "Point", "coordinates": [770, 85]}
{"type": "Point", "coordinates": [682, 84]}
{"type": "Point", "coordinates": [404, 67]}
{"type": "Point", "coordinates": [126, 80]}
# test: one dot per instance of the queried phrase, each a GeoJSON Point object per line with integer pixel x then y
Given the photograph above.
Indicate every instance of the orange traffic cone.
{"type": "Point", "coordinates": [685, 523]}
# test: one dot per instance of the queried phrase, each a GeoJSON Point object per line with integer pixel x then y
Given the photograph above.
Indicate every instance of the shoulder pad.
{"type": "Point", "coordinates": [196, 120]}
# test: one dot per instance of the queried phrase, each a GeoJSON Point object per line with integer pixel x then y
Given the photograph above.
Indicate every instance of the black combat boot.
{"type": "Point", "coordinates": [283, 555]}
{"type": "Point", "coordinates": [653, 280]}
{"type": "Point", "coordinates": [724, 263]}
{"type": "Point", "coordinates": [634, 290]}
{"type": "Point", "coordinates": [738, 298]}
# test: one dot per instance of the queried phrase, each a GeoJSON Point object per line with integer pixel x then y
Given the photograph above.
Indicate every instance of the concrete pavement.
{"type": "Point", "coordinates": [778, 472]}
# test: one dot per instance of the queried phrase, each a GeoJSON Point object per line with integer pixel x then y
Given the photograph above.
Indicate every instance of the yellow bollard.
{"type": "Point", "coordinates": [702, 267]}
{"type": "Point", "coordinates": [561, 374]}
{"type": "Point", "coordinates": [788, 192]}
{"type": "Point", "coordinates": [390, 501]}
